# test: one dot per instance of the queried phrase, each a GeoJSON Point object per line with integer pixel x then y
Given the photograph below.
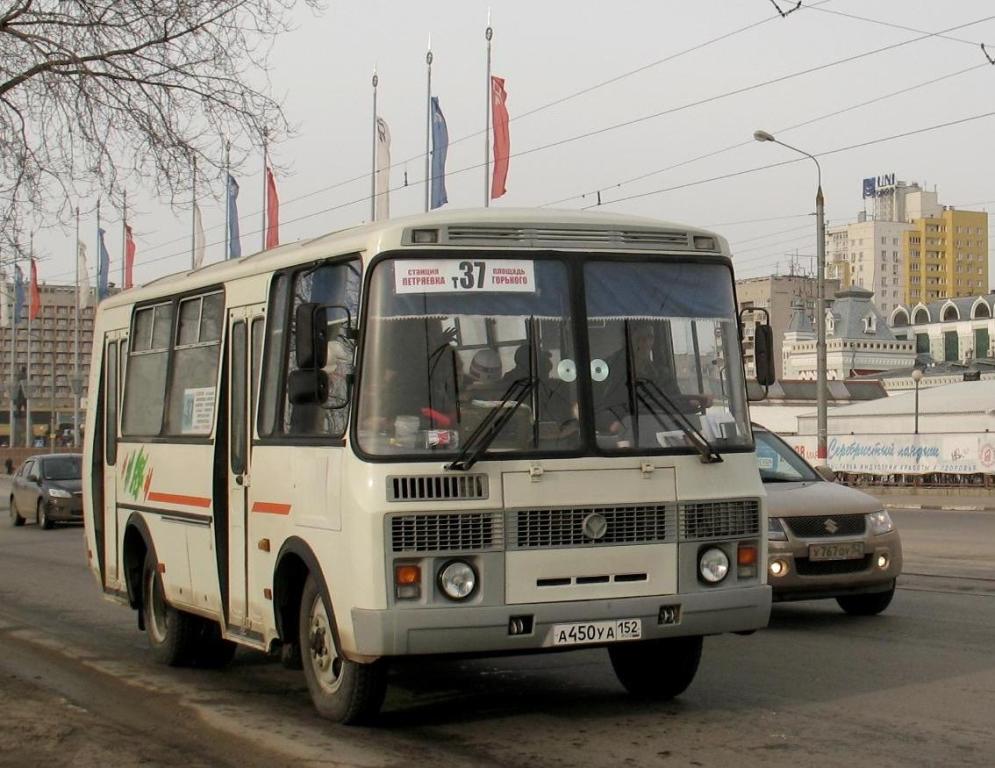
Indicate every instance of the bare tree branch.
{"type": "Point", "coordinates": [100, 95]}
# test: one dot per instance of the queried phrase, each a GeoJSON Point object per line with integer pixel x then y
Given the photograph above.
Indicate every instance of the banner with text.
{"type": "Point", "coordinates": [904, 454]}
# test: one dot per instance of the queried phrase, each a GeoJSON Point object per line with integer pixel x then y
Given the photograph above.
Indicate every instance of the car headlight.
{"type": "Point", "coordinates": [775, 530]}
{"type": "Point", "coordinates": [457, 580]}
{"type": "Point", "coordinates": [58, 493]}
{"type": "Point", "coordinates": [880, 522]}
{"type": "Point", "coordinates": [713, 565]}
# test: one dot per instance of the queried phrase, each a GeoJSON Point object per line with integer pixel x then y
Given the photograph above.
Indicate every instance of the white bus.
{"type": "Point", "coordinates": [469, 432]}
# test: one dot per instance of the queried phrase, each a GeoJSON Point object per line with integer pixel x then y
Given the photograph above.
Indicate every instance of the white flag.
{"type": "Point", "coordinates": [382, 177]}
{"type": "Point", "coordinates": [83, 287]}
{"type": "Point", "coordinates": [198, 238]}
{"type": "Point", "coordinates": [5, 304]}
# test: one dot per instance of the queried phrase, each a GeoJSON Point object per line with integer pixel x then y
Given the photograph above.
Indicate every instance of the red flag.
{"type": "Point", "coordinates": [129, 256]}
{"type": "Point", "coordinates": [272, 212]}
{"type": "Point", "coordinates": [34, 308]}
{"type": "Point", "coordinates": [502, 141]}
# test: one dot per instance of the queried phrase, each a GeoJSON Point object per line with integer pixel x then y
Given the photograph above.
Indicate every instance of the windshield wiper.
{"type": "Point", "coordinates": [650, 395]}
{"type": "Point", "coordinates": [492, 424]}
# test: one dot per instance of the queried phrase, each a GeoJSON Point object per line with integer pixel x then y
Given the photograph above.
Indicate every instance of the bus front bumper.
{"type": "Point", "coordinates": [491, 629]}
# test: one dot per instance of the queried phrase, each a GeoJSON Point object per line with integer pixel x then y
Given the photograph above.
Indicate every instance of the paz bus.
{"type": "Point", "coordinates": [472, 432]}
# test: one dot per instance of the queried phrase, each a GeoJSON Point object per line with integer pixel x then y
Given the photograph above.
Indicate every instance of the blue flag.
{"type": "Point", "coordinates": [18, 295]}
{"type": "Point", "coordinates": [440, 146]}
{"type": "Point", "coordinates": [234, 244]}
{"type": "Point", "coordinates": [103, 266]}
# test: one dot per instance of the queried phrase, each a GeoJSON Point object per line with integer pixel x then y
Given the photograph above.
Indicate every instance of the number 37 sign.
{"type": "Point", "coordinates": [463, 276]}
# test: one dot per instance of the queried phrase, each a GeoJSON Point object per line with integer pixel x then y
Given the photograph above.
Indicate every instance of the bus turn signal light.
{"type": "Point", "coordinates": [407, 582]}
{"type": "Point", "coordinates": [746, 559]}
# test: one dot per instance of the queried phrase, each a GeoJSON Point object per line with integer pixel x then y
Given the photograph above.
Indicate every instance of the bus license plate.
{"type": "Point", "coordinates": [847, 551]}
{"type": "Point", "coordinates": [586, 632]}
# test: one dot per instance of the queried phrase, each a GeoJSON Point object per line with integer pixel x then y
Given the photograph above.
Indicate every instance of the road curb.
{"type": "Point", "coordinates": [942, 507]}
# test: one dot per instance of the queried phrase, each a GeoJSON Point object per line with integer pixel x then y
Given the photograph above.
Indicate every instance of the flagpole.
{"type": "Point", "coordinates": [77, 385]}
{"type": "Point", "coordinates": [13, 345]}
{"type": "Point", "coordinates": [265, 167]}
{"type": "Point", "coordinates": [193, 217]}
{"type": "Point", "coordinates": [373, 165]}
{"type": "Point", "coordinates": [27, 409]}
{"type": "Point", "coordinates": [428, 126]}
{"type": "Point", "coordinates": [488, 34]}
{"type": "Point", "coordinates": [124, 240]}
{"type": "Point", "coordinates": [227, 199]}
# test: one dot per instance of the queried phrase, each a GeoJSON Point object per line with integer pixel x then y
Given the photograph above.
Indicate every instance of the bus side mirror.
{"type": "Point", "coordinates": [311, 335]}
{"type": "Point", "coordinates": [763, 354]}
{"type": "Point", "coordinates": [307, 386]}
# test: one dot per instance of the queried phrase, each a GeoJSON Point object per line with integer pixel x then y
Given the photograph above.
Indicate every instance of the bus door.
{"type": "Point", "coordinates": [246, 334]}
{"type": "Point", "coordinates": [107, 532]}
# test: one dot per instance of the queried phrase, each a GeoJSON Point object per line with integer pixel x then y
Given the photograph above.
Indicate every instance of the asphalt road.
{"type": "Point", "coordinates": [914, 686]}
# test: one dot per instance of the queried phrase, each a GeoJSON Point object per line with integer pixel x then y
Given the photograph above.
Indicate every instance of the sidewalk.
{"type": "Point", "coordinates": [934, 499]}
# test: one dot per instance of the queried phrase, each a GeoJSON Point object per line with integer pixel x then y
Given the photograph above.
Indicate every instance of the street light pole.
{"type": "Point", "coordinates": [821, 388]}
{"type": "Point", "coordinates": [917, 377]}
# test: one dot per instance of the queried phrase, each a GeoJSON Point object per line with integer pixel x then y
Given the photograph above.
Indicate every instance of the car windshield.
{"type": "Point", "coordinates": [454, 343]}
{"type": "Point", "coordinates": [778, 463]}
{"type": "Point", "coordinates": [665, 360]}
{"type": "Point", "coordinates": [62, 468]}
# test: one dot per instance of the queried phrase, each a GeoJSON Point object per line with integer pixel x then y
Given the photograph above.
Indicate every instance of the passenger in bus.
{"type": "Point", "coordinates": [613, 395]}
{"type": "Point", "coordinates": [484, 380]}
{"type": "Point", "coordinates": [556, 400]}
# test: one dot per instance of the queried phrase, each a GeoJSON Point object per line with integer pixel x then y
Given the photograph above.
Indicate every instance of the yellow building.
{"type": "Point", "coordinates": [946, 256]}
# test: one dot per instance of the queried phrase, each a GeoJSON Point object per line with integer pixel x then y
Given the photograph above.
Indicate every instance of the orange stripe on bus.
{"type": "Point", "coordinates": [271, 508]}
{"type": "Point", "coordinates": [178, 498]}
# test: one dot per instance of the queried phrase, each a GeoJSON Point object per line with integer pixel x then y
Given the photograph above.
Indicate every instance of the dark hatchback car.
{"type": "Point", "coordinates": [49, 490]}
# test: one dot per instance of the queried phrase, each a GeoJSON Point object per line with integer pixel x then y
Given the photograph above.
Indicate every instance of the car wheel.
{"type": "Point", "coordinates": [15, 516]}
{"type": "Point", "coordinates": [867, 605]}
{"type": "Point", "coordinates": [341, 690]}
{"type": "Point", "coordinates": [41, 517]}
{"type": "Point", "coordinates": [656, 669]}
{"type": "Point", "coordinates": [172, 634]}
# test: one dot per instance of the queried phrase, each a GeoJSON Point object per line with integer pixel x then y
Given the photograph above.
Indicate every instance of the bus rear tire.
{"type": "Point", "coordinates": [656, 669]}
{"type": "Point", "coordinates": [172, 633]}
{"type": "Point", "coordinates": [342, 690]}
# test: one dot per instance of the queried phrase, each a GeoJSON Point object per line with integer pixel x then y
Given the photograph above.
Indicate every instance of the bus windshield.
{"type": "Point", "coordinates": [477, 353]}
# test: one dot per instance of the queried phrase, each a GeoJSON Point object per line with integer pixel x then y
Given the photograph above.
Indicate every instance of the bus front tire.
{"type": "Point", "coordinates": [342, 690]}
{"type": "Point", "coordinates": [172, 633]}
{"type": "Point", "coordinates": [656, 669]}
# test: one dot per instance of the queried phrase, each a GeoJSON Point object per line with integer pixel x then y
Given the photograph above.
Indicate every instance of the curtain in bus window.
{"type": "Point", "coordinates": [641, 289]}
{"type": "Point", "coordinates": [192, 391]}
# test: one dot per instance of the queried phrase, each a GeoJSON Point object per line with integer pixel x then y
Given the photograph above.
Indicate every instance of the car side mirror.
{"type": "Point", "coordinates": [826, 473]}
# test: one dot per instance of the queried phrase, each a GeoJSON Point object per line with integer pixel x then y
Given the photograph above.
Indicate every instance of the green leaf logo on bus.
{"type": "Point", "coordinates": [137, 474]}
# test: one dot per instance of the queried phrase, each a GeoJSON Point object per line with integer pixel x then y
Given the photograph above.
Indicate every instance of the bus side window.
{"type": "Point", "coordinates": [195, 365]}
{"type": "Point", "coordinates": [145, 387]}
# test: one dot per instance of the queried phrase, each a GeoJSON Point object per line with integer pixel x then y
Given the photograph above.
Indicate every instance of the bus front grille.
{"type": "Point", "coordinates": [436, 487]}
{"type": "Point", "coordinates": [591, 526]}
{"type": "Point", "coordinates": [496, 234]}
{"type": "Point", "coordinates": [462, 532]}
{"type": "Point", "coordinates": [719, 519]}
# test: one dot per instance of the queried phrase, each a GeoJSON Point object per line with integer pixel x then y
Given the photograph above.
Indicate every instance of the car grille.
{"type": "Point", "coordinates": [830, 525]}
{"type": "Point", "coordinates": [719, 519]}
{"type": "Point", "coordinates": [806, 567]}
{"type": "Point", "coordinates": [638, 524]}
{"type": "Point", "coordinates": [469, 531]}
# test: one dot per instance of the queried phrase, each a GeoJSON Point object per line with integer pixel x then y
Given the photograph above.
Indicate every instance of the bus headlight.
{"type": "Point", "coordinates": [713, 565]}
{"type": "Point", "coordinates": [457, 580]}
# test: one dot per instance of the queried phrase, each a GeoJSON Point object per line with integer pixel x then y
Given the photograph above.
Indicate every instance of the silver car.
{"type": "Point", "coordinates": [825, 540]}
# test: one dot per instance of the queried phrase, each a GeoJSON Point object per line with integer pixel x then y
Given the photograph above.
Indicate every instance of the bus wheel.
{"type": "Point", "coordinates": [656, 669]}
{"type": "Point", "coordinates": [172, 633]}
{"type": "Point", "coordinates": [15, 517]}
{"type": "Point", "coordinates": [341, 690]}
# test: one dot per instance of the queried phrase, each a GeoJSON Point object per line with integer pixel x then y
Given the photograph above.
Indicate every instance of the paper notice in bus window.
{"type": "Point", "coordinates": [464, 276]}
{"type": "Point", "coordinates": [198, 410]}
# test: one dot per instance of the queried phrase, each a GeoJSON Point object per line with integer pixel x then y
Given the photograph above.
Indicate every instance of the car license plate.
{"type": "Point", "coordinates": [843, 551]}
{"type": "Point", "coordinates": [586, 632]}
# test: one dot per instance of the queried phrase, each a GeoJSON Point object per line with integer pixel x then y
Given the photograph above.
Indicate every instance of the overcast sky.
{"type": "Point", "coordinates": [550, 50]}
